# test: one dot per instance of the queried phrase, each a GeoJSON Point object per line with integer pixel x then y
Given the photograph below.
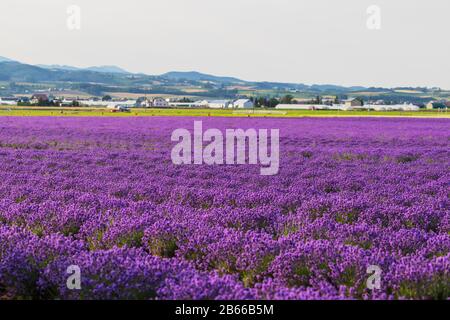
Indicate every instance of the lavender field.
{"type": "Point", "coordinates": [103, 194]}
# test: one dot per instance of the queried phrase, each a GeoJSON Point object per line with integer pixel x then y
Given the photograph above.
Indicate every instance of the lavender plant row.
{"type": "Point", "coordinates": [104, 195]}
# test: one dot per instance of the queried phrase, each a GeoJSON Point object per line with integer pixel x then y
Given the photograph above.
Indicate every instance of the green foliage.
{"type": "Point", "coordinates": [164, 248]}
{"type": "Point", "coordinates": [437, 288]}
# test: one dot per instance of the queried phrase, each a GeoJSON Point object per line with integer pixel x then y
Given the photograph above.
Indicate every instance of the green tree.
{"type": "Point", "coordinates": [318, 100]}
{"type": "Point", "coordinates": [287, 99]}
{"type": "Point", "coordinates": [337, 100]}
{"type": "Point", "coordinates": [273, 102]}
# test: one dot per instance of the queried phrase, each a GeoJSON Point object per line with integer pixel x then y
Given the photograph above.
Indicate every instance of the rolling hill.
{"type": "Point", "coordinates": [3, 59]}
{"type": "Point", "coordinates": [197, 76]}
{"type": "Point", "coordinates": [19, 72]}
{"type": "Point", "coordinates": [100, 79]}
{"type": "Point", "coordinates": [102, 69]}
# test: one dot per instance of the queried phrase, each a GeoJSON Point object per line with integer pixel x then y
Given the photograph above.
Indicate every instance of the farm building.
{"type": "Point", "coordinates": [143, 102]}
{"type": "Point", "coordinates": [100, 103]}
{"type": "Point", "coordinates": [201, 104]}
{"type": "Point", "coordinates": [328, 101]}
{"type": "Point", "coordinates": [301, 106]}
{"type": "Point", "coordinates": [41, 98]}
{"type": "Point", "coordinates": [8, 101]}
{"type": "Point", "coordinates": [243, 104]}
{"type": "Point", "coordinates": [219, 104]}
{"type": "Point", "coordinates": [160, 103]}
{"type": "Point", "coordinates": [354, 102]}
{"type": "Point", "coordinates": [393, 107]}
{"type": "Point", "coordinates": [176, 104]}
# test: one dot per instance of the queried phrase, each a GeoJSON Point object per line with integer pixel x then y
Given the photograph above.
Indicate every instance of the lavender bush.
{"type": "Point", "coordinates": [103, 194]}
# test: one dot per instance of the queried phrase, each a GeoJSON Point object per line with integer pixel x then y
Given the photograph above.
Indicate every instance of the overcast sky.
{"type": "Point", "coordinates": [314, 41]}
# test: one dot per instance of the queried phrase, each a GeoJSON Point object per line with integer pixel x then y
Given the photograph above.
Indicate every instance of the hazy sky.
{"type": "Point", "coordinates": [314, 41]}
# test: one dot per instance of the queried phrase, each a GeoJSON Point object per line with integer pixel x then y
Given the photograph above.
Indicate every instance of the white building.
{"type": "Point", "coordinates": [143, 102]}
{"type": "Point", "coordinates": [160, 103]}
{"type": "Point", "coordinates": [353, 102]}
{"type": "Point", "coordinates": [393, 107]}
{"type": "Point", "coordinates": [100, 103]}
{"type": "Point", "coordinates": [301, 106]}
{"type": "Point", "coordinates": [219, 104]}
{"type": "Point", "coordinates": [201, 104]}
{"type": "Point", "coordinates": [8, 101]}
{"type": "Point", "coordinates": [182, 104]}
{"type": "Point", "coordinates": [243, 104]}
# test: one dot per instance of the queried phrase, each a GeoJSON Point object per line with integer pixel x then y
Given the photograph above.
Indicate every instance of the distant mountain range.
{"type": "Point", "coordinates": [103, 69]}
{"type": "Point", "coordinates": [99, 79]}
{"type": "Point", "coordinates": [19, 72]}
{"type": "Point", "coordinates": [3, 59]}
{"type": "Point", "coordinates": [197, 76]}
{"type": "Point", "coordinates": [11, 70]}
